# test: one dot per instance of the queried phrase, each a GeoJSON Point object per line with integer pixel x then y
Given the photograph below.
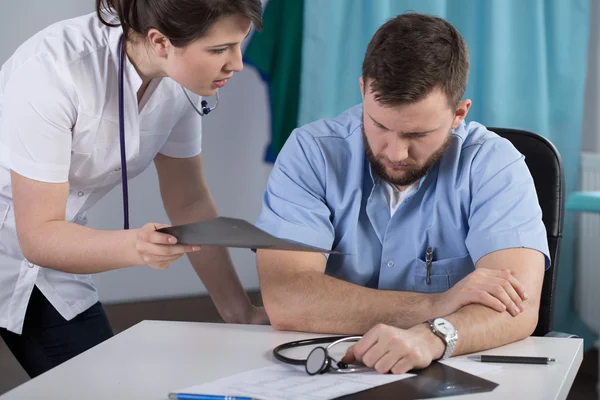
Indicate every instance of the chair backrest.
{"type": "Point", "coordinates": [545, 164]}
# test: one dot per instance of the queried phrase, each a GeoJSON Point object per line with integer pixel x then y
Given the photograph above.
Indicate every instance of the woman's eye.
{"type": "Point", "coordinates": [219, 51]}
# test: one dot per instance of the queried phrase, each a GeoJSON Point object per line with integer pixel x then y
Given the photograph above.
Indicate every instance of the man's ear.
{"type": "Point", "coordinates": [361, 83]}
{"type": "Point", "coordinates": [461, 112]}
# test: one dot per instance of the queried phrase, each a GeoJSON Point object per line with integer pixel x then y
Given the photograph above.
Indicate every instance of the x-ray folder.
{"type": "Point", "coordinates": [233, 232]}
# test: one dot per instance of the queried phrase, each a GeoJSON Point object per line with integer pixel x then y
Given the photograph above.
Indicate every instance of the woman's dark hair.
{"type": "Point", "coordinates": [181, 21]}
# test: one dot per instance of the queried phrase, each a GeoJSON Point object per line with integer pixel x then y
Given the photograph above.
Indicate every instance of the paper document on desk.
{"type": "Point", "coordinates": [292, 383]}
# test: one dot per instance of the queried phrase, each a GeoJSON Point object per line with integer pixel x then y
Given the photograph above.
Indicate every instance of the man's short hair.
{"type": "Point", "coordinates": [411, 55]}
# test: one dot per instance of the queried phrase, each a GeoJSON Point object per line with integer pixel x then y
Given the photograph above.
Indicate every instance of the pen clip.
{"type": "Point", "coordinates": [428, 261]}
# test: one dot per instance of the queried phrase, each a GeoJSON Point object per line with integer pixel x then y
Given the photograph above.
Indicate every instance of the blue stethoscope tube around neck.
{"type": "Point", "coordinates": [205, 109]}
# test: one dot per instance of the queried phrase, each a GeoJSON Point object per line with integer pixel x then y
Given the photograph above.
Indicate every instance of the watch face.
{"type": "Point", "coordinates": [444, 327]}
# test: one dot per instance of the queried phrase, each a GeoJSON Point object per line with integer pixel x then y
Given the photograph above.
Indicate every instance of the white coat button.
{"type": "Point", "coordinates": [390, 264]}
{"type": "Point", "coordinates": [30, 265]}
{"type": "Point", "coordinates": [79, 194]}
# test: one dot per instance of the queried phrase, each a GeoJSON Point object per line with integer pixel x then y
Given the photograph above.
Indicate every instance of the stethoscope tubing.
{"type": "Point", "coordinates": [331, 340]}
{"type": "Point", "coordinates": [205, 110]}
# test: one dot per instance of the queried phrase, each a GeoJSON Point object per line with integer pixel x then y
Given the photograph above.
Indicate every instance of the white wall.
{"type": "Point", "coordinates": [20, 19]}
{"type": "Point", "coordinates": [235, 135]}
{"type": "Point", "coordinates": [234, 139]}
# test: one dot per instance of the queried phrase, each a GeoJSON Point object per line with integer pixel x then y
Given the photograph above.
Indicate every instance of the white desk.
{"type": "Point", "coordinates": [153, 358]}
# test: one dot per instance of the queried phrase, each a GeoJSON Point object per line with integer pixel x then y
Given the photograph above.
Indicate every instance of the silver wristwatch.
{"type": "Point", "coordinates": [447, 332]}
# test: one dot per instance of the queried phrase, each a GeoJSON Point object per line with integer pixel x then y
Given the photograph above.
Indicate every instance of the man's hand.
{"type": "Point", "coordinates": [496, 289]}
{"type": "Point", "coordinates": [389, 349]}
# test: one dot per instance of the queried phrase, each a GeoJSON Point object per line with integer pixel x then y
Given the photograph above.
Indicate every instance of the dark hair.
{"type": "Point", "coordinates": [411, 55]}
{"type": "Point", "coordinates": [181, 21]}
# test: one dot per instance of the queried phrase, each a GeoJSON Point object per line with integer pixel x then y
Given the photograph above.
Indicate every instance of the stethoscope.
{"type": "Point", "coordinates": [319, 361]}
{"type": "Point", "coordinates": [205, 110]}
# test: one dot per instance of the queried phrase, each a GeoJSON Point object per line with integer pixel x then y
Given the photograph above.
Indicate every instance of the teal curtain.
{"type": "Point", "coordinates": [528, 66]}
{"type": "Point", "coordinates": [276, 54]}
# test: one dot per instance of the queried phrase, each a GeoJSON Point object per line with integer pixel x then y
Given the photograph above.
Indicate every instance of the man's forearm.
{"type": "Point", "coordinates": [313, 302]}
{"type": "Point", "coordinates": [480, 328]}
{"type": "Point", "coordinates": [213, 265]}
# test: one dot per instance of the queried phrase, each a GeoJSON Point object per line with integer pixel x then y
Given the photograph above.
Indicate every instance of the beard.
{"type": "Point", "coordinates": [410, 175]}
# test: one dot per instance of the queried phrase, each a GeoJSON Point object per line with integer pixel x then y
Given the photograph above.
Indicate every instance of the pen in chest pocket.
{"type": "Point", "coordinates": [428, 261]}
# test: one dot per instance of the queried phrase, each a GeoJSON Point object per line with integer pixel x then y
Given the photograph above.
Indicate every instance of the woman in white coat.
{"type": "Point", "coordinates": [60, 152]}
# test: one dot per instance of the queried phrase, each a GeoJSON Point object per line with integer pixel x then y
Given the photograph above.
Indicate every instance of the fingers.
{"type": "Point", "coordinates": [150, 258]}
{"type": "Point", "coordinates": [514, 283]}
{"type": "Point", "coordinates": [517, 302]}
{"type": "Point", "coordinates": [349, 357]}
{"type": "Point", "coordinates": [368, 340]}
{"type": "Point", "coordinates": [160, 264]}
{"type": "Point", "coordinates": [399, 360]}
{"type": "Point", "coordinates": [402, 366]}
{"type": "Point", "coordinates": [484, 298]}
{"type": "Point", "coordinates": [386, 349]}
{"type": "Point", "coordinates": [161, 244]}
{"type": "Point", "coordinates": [164, 250]}
{"type": "Point", "coordinates": [374, 354]}
{"type": "Point", "coordinates": [512, 287]}
{"type": "Point", "coordinates": [389, 359]}
{"type": "Point", "coordinates": [503, 286]}
{"type": "Point", "coordinates": [380, 348]}
{"type": "Point", "coordinates": [156, 237]}
{"type": "Point", "coordinates": [518, 286]}
{"type": "Point", "coordinates": [160, 256]}
{"type": "Point", "coordinates": [499, 291]}
{"type": "Point", "coordinates": [157, 249]}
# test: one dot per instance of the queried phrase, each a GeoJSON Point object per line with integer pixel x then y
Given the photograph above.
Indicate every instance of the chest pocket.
{"type": "Point", "coordinates": [444, 273]}
{"type": "Point", "coordinates": [155, 129]}
{"type": "Point", "coordinates": [95, 150]}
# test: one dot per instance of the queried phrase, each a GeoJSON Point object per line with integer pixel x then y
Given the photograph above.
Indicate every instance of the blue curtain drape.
{"type": "Point", "coordinates": [528, 66]}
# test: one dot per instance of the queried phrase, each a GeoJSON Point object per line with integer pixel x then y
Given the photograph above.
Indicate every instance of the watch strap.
{"type": "Point", "coordinates": [449, 341]}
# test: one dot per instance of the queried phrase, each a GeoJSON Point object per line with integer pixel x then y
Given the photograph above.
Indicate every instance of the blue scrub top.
{"type": "Point", "coordinates": [478, 199]}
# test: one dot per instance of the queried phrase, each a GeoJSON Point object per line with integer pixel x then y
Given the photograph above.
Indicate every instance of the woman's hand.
{"type": "Point", "coordinates": [158, 250]}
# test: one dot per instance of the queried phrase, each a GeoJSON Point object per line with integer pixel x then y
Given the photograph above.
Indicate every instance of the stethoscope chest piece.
{"type": "Point", "coordinates": [317, 362]}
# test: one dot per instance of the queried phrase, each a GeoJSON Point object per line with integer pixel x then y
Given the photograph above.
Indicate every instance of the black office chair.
{"type": "Point", "coordinates": [545, 165]}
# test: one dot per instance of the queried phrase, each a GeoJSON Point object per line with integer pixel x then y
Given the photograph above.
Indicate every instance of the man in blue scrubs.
{"type": "Point", "coordinates": [439, 221]}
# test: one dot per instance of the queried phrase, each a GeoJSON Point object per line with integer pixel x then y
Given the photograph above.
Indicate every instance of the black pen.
{"type": "Point", "coordinates": [428, 261]}
{"type": "Point", "coordinates": [512, 359]}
